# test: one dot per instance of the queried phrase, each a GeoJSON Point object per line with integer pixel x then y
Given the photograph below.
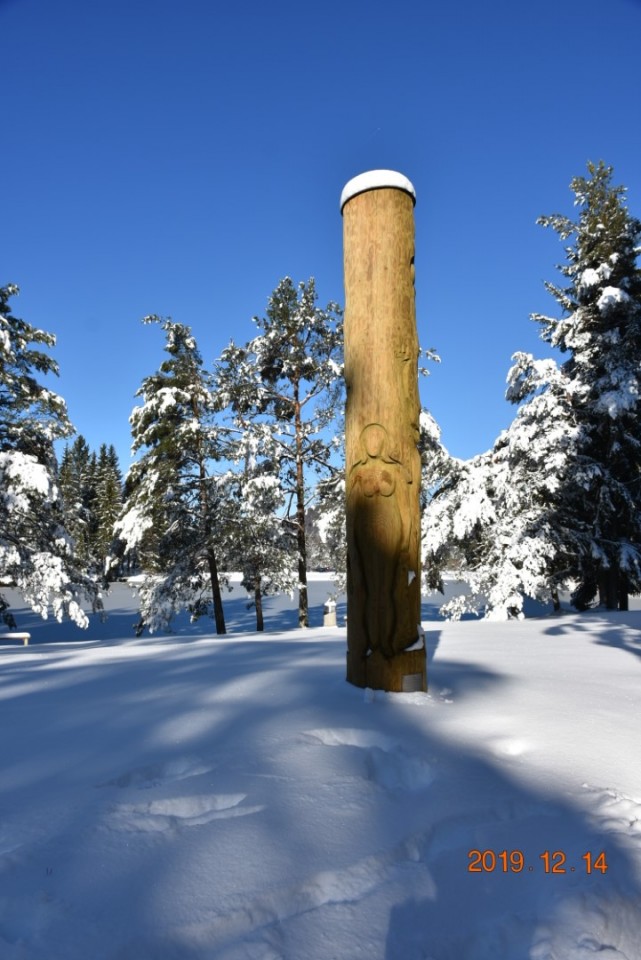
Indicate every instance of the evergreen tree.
{"type": "Point", "coordinates": [327, 533]}
{"type": "Point", "coordinates": [258, 540]}
{"type": "Point", "coordinates": [598, 388]}
{"type": "Point", "coordinates": [557, 502]}
{"type": "Point", "coordinates": [485, 519]}
{"type": "Point", "coordinates": [108, 506]}
{"type": "Point", "coordinates": [78, 494]}
{"type": "Point", "coordinates": [90, 493]}
{"type": "Point", "coordinates": [35, 548]}
{"type": "Point", "coordinates": [289, 378]}
{"type": "Point", "coordinates": [172, 494]}
{"type": "Point", "coordinates": [91, 487]}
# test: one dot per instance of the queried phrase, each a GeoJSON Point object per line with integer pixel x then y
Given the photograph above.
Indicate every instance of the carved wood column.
{"type": "Point", "coordinates": [382, 468]}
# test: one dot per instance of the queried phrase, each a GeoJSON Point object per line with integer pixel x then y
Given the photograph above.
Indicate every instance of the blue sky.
{"type": "Point", "coordinates": [181, 158]}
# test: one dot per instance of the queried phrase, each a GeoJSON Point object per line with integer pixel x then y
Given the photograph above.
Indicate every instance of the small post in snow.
{"type": "Point", "coordinates": [385, 647]}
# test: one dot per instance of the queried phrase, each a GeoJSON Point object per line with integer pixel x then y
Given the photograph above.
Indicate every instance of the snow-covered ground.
{"type": "Point", "coordinates": [188, 798]}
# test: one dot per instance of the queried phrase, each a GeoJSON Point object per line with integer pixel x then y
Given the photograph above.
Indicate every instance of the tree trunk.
{"type": "Point", "coordinates": [623, 593]}
{"type": "Point", "coordinates": [205, 511]}
{"type": "Point", "coordinates": [258, 603]}
{"type": "Point", "coordinates": [556, 603]}
{"type": "Point", "coordinates": [303, 602]}
{"type": "Point", "coordinates": [609, 588]}
{"type": "Point", "coordinates": [219, 614]}
{"type": "Point", "coordinates": [603, 598]}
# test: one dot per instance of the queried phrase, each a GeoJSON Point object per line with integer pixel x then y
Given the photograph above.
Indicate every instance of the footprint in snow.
{"type": "Point", "coordinates": [142, 778]}
{"type": "Point", "coordinates": [615, 812]}
{"type": "Point", "coordinates": [386, 763]}
{"type": "Point", "coordinates": [162, 815]}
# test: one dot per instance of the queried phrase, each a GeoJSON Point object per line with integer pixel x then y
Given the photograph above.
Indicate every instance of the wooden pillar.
{"type": "Point", "coordinates": [382, 463]}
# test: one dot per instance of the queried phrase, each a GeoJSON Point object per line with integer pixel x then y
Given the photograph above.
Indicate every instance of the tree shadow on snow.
{"type": "Point", "coordinates": [620, 629]}
{"type": "Point", "coordinates": [355, 814]}
{"type": "Point", "coordinates": [529, 896]}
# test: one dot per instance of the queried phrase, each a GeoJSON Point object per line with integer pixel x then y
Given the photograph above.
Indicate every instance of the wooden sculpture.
{"type": "Point", "coordinates": [382, 469]}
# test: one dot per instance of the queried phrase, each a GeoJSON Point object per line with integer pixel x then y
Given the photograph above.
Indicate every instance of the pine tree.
{"type": "Point", "coordinates": [289, 378]}
{"type": "Point", "coordinates": [598, 501]}
{"type": "Point", "coordinates": [172, 494]}
{"type": "Point", "coordinates": [327, 528]}
{"type": "Point", "coordinates": [91, 487]}
{"type": "Point", "coordinates": [36, 551]}
{"type": "Point", "coordinates": [258, 541]}
{"type": "Point", "coordinates": [557, 502]}
{"type": "Point", "coordinates": [76, 485]}
{"type": "Point", "coordinates": [107, 509]}
{"type": "Point", "coordinates": [485, 519]}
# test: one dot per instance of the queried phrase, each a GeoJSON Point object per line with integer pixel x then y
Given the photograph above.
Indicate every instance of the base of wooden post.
{"type": "Point", "coordinates": [405, 672]}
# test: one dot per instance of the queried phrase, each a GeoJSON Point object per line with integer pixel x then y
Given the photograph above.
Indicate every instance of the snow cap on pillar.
{"type": "Point", "coordinates": [375, 180]}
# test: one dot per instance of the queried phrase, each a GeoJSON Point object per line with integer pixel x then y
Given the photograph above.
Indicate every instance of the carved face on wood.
{"type": "Point", "coordinates": [374, 440]}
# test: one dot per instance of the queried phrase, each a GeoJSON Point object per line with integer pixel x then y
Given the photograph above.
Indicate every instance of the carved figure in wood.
{"type": "Point", "coordinates": [378, 512]}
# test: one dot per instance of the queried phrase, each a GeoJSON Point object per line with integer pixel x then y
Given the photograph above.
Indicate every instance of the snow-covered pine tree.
{"type": "Point", "coordinates": [440, 479]}
{"type": "Point", "coordinates": [77, 485]}
{"type": "Point", "coordinates": [328, 528]}
{"type": "Point", "coordinates": [557, 501]}
{"type": "Point", "coordinates": [69, 490]}
{"type": "Point", "coordinates": [258, 541]}
{"type": "Point", "coordinates": [108, 507]}
{"type": "Point", "coordinates": [485, 519]}
{"type": "Point", "coordinates": [35, 548]}
{"type": "Point", "coordinates": [171, 492]}
{"type": "Point", "coordinates": [289, 377]}
{"type": "Point", "coordinates": [596, 507]}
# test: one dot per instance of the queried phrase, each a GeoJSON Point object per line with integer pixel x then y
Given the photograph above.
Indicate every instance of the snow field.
{"type": "Point", "coordinates": [208, 799]}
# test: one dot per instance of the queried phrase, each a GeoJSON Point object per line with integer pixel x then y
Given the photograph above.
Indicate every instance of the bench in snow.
{"type": "Point", "coordinates": [21, 637]}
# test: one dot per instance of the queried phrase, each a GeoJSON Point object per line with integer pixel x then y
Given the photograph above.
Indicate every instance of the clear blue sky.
{"type": "Point", "coordinates": [180, 158]}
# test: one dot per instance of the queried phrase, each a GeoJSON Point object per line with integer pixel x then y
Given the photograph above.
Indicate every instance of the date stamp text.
{"type": "Point", "coordinates": [551, 861]}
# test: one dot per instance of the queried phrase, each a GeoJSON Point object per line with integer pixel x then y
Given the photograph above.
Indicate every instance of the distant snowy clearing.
{"type": "Point", "coordinates": [313, 576]}
{"type": "Point", "coordinates": [195, 798]}
{"type": "Point", "coordinates": [281, 612]}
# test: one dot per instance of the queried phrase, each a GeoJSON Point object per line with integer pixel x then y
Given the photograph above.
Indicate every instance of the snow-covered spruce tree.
{"type": "Point", "coordinates": [289, 378]}
{"type": "Point", "coordinates": [77, 480]}
{"type": "Point", "coordinates": [596, 507]}
{"type": "Point", "coordinates": [486, 519]}
{"type": "Point", "coordinates": [36, 551]}
{"type": "Point", "coordinates": [557, 501]}
{"type": "Point", "coordinates": [258, 541]}
{"type": "Point", "coordinates": [172, 496]}
{"type": "Point", "coordinates": [91, 487]}
{"type": "Point", "coordinates": [327, 528]}
{"type": "Point", "coordinates": [108, 507]}
{"type": "Point", "coordinates": [441, 475]}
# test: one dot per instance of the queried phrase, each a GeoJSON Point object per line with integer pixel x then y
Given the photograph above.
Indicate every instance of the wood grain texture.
{"type": "Point", "coordinates": [381, 424]}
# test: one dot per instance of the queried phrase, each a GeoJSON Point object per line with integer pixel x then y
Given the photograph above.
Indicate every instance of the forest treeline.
{"type": "Point", "coordinates": [239, 465]}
